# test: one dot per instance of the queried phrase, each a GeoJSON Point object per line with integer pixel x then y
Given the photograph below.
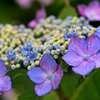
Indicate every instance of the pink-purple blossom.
{"type": "Point", "coordinates": [40, 14]}
{"type": "Point", "coordinates": [5, 83]}
{"type": "Point", "coordinates": [83, 55]}
{"type": "Point", "coordinates": [47, 76]}
{"type": "Point", "coordinates": [92, 11]}
{"type": "Point", "coordinates": [25, 4]}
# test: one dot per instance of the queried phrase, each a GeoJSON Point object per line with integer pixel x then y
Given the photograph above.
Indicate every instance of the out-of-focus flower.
{"type": "Point", "coordinates": [92, 11]}
{"type": "Point", "coordinates": [40, 14]}
{"type": "Point", "coordinates": [83, 55]}
{"type": "Point", "coordinates": [10, 95]}
{"type": "Point", "coordinates": [47, 77]}
{"type": "Point", "coordinates": [46, 2]}
{"type": "Point", "coordinates": [5, 83]}
{"type": "Point", "coordinates": [25, 4]}
{"type": "Point", "coordinates": [32, 23]}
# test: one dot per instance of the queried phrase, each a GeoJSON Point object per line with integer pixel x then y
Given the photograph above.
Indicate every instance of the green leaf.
{"type": "Point", "coordinates": [62, 63]}
{"type": "Point", "coordinates": [20, 80]}
{"type": "Point", "coordinates": [67, 11]}
{"type": "Point", "coordinates": [51, 96]}
{"type": "Point", "coordinates": [89, 89]}
{"type": "Point", "coordinates": [76, 87]}
{"type": "Point", "coordinates": [69, 83]}
{"type": "Point", "coordinates": [55, 7]}
{"type": "Point", "coordinates": [64, 66]}
{"type": "Point", "coordinates": [13, 73]}
{"type": "Point", "coordinates": [29, 94]}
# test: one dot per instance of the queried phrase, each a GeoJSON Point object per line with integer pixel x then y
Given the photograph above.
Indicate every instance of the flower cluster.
{"type": "Point", "coordinates": [92, 11]}
{"type": "Point", "coordinates": [73, 39]}
{"type": "Point", "coordinates": [22, 47]}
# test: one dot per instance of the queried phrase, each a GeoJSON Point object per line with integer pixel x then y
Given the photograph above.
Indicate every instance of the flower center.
{"type": "Point", "coordinates": [85, 57]}
{"type": "Point", "coordinates": [49, 76]}
{"type": "Point", "coordinates": [91, 15]}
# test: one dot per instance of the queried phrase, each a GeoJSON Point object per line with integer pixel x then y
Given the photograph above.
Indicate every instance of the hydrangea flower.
{"type": "Point", "coordinates": [11, 55]}
{"type": "Point", "coordinates": [83, 55]}
{"type": "Point", "coordinates": [98, 32]}
{"type": "Point", "coordinates": [26, 49]}
{"type": "Point", "coordinates": [47, 76]}
{"type": "Point", "coordinates": [40, 14]}
{"type": "Point", "coordinates": [5, 83]}
{"type": "Point", "coordinates": [69, 35]}
{"type": "Point", "coordinates": [32, 56]}
{"type": "Point", "coordinates": [25, 4]}
{"type": "Point", "coordinates": [92, 11]}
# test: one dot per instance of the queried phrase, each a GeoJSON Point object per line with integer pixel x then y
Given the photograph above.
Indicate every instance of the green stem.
{"type": "Point", "coordinates": [80, 87]}
{"type": "Point", "coordinates": [61, 94]}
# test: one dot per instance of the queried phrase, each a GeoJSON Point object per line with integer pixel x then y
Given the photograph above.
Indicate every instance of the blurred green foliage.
{"type": "Point", "coordinates": [10, 12]}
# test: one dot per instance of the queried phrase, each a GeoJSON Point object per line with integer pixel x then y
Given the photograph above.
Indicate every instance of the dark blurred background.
{"type": "Point", "coordinates": [11, 12]}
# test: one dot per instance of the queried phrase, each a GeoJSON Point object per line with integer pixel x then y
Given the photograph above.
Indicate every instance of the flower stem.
{"type": "Point", "coordinates": [61, 94]}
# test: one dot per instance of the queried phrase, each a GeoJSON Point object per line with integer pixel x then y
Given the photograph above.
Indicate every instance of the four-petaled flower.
{"type": "Point", "coordinates": [47, 76]}
{"type": "Point", "coordinates": [5, 83]}
{"type": "Point", "coordinates": [92, 11]}
{"type": "Point", "coordinates": [83, 55]}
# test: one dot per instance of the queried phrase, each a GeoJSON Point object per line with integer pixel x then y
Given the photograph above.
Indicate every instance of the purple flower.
{"type": "Point", "coordinates": [25, 4]}
{"type": "Point", "coordinates": [47, 76]}
{"type": "Point", "coordinates": [92, 11]}
{"type": "Point", "coordinates": [32, 23]}
{"type": "Point", "coordinates": [98, 32]}
{"type": "Point", "coordinates": [32, 56]}
{"type": "Point", "coordinates": [5, 83]}
{"type": "Point", "coordinates": [40, 14]}
{"type": "Point", "coordinates": [69, 35]}
{"type": "Point", "coordinates": [11, 55]}
{"type": "Point", "coordinates": [83, 55]}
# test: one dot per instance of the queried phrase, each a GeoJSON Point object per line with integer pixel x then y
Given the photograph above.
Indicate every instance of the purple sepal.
{"type": "Point", "coordinates": [93, 44]}
{"type": "Point", "coordinates": [57, 76]}
{"type": "Point", "coordinates": [37, 75]}
{"type": "Point", "coordinates": [84, 68]}
{"type": "Point", "coordinates": [40, 14]}
{"type": "Point", "coordinates": [3, 69]}
{"type": "Point", "coordinates": [77, 44]}
{"type": "Point", "coordinates": [81, 9]}
{"type": "Point", "coordinates": [72, 58]}
{"type": "Point", "coordinates": [94, 4]}
{"type": "Point", "coordinates": [32, 23]}
{"type": "Point", "coordinates": [43, 88]}
{"type": "Point", "coordinates": [48, 63]}
{"type": "Point", "coordinates": [96, 59]}
{"type": "Point", "coordinates": [5, 84]}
